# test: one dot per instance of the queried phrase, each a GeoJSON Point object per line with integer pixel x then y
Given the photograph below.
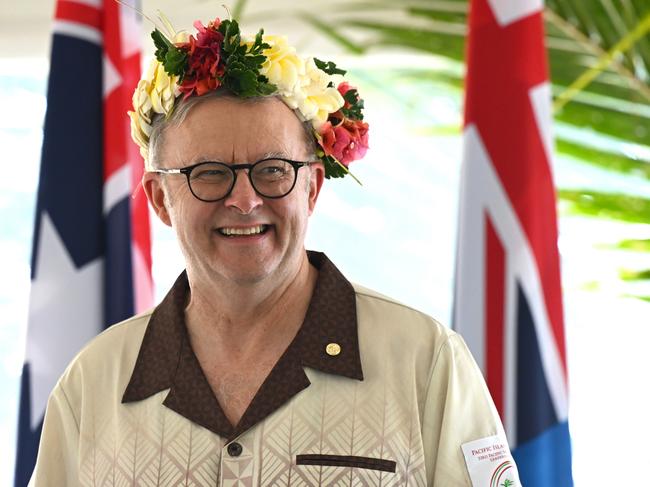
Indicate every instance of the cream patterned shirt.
{"type": "Point", "coordinates": [391, 408]}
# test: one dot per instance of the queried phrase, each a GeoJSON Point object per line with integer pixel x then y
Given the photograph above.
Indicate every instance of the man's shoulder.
{"type": "Point", "coordinates": [112, 352]}
{"type": "Point", "coordinates": [127, 333]}
{"type": "Point", "coordinates": [386, 314]}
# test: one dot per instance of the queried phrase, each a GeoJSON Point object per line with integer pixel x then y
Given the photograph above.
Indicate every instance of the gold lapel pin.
{"type": "Point", "coordinates": [333, 349]}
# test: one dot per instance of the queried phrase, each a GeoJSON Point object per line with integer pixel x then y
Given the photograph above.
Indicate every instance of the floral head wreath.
{"type": "Point", "coordinates": [188, 65]}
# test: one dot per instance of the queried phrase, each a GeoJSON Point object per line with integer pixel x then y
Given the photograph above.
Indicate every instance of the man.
{"type": "Point", "coordinates": [263, 365]}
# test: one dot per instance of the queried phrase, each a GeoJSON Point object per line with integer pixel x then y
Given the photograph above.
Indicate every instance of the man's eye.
{"type": "Point", "coordinates": [275, 170]}
{"type": "Point", "coordinates": [212, 173]}
{"type": "Point", "coordinates": [272, 169]}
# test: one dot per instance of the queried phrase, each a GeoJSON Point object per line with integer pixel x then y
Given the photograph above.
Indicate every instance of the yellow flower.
{"type": "Point", "coordinates": [138, 135]}
{"type": "Point", "coordinates": [283, 67]}
{"type": "Point", "coordinates": [155, 93]}
{"type": "Point", "coordinates": [314, 99]}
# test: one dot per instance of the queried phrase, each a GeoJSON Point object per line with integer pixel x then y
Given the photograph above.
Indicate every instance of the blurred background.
{"type": "Point", "coordinates": [396, 233]}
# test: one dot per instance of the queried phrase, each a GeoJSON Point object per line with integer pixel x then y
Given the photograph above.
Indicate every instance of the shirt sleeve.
{"type": "Point", "coordinates": [57, 460]}
{"type": "Point", "coordinates": [458, 409]}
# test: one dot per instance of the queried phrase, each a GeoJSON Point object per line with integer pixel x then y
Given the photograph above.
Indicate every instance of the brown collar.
{"type": "Point", "coordinates": [166, 359]}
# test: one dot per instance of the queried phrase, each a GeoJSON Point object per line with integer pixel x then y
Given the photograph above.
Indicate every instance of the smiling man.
{"type": "Point", "coordinates": [240, 228]}
{"type": "Point", "coordinates": [263, 365]}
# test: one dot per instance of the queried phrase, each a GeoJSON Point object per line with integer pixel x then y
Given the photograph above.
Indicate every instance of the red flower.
{"type": "Point", "coordinates": [346, 141]}
{"type": "Point", "coordinates": [205, 63]}
{"type": "Point", "coordinates": [343, 88]}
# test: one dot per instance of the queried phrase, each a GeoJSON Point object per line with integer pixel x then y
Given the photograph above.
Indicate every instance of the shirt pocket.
{"type": "Point", "coordinates": [347, 461]}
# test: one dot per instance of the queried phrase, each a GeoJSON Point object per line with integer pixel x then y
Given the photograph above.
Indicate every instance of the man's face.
{"type": "Point", "coordinates": [226, 130]}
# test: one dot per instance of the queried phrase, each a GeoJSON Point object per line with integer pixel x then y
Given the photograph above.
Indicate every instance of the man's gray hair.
{"type": "Point", "coordinates": [182, 108]}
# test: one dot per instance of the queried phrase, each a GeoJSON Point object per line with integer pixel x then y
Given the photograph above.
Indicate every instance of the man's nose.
{"type": "Point", "coordinates": [243, 196]}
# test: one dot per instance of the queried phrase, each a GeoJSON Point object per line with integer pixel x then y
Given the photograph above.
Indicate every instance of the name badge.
{"type": "Point", "coordinates": [490, 463]}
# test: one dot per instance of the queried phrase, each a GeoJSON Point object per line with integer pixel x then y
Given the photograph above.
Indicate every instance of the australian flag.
{"type": "Point", "coordinates": [508, 299]}
{"type": "Point", "coordinates": [91, 263]}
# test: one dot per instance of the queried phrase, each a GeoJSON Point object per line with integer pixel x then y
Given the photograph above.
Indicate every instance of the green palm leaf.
{"type": "Point", "coordinates": [611, 206]}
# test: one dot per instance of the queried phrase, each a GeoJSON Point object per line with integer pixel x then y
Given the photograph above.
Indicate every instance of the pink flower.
{"type": "Point", "coordinates": [347, 141]}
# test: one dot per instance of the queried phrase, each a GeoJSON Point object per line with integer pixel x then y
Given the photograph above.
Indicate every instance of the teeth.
{"type": "Point", "coordinates": [243, 231]}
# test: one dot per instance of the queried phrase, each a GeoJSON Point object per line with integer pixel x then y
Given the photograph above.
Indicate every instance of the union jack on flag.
{"type": "Point", "coordinates": [508, 300]}
{"type": "Point", "coordinates": [91, 261]}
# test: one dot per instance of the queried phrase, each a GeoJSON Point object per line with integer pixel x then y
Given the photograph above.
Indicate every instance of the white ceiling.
{"type": "Point", "coordinates": [25, 25]}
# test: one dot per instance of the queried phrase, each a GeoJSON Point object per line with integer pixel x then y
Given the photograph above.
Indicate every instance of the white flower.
{"type": "Point", "coordinates": [314, 98]}
{"type": "Point", "coordinates": [283, 67]}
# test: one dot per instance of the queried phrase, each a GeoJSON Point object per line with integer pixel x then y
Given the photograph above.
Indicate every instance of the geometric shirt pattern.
{"type": "Point", "coordinates": [391, 409]}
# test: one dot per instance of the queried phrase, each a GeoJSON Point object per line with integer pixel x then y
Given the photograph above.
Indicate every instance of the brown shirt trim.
{"type": "Point", "coordinates": [347, 461]}
{"type": "Point", "coordinates": [166, 359]}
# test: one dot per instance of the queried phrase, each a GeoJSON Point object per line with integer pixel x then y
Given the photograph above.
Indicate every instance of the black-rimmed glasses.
{"type": "Point", "coordinates": [213, 181]}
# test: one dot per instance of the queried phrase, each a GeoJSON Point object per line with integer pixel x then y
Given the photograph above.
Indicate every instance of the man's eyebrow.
{"type": "Point", "coordinates": [266, 155]}
{"type": "Point", "coordinates": [270, 155]}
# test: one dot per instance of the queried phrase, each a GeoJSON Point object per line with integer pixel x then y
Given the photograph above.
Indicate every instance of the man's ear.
{"type": "Point", "coordinates": [315, 184]}
{"type": "Point", "coordinates": [153, 188]}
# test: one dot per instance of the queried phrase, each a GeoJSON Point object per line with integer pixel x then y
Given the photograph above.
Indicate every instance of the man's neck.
{"type": "Point", "coordinates": [238, 320]}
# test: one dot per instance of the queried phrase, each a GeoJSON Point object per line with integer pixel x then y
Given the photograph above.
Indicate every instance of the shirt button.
{"type": "Point", "coordinates": [234, 449]}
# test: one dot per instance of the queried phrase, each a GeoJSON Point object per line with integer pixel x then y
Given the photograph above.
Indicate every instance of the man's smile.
{"type": "Point", "coordinates": [243, 231]}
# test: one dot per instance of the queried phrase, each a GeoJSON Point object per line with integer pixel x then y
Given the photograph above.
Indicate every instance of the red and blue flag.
{"type": "Point", "coordinates": [91, 261]}
{"type": "Point", "coordinates": [508, 298]}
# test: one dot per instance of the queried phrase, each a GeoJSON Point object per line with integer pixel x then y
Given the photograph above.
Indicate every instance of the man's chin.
{"type": "Point", "coordinates": [247, 278]}
{"type": "Point", "coordinates": [245, 274]}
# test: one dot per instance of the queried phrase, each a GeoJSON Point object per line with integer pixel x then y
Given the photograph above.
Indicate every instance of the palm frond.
{"type": "Point", "coordinates": [632, 275]}
{"type": "Point", "coordinates": [238, 10]}
{"type": "Point", "coordinates": [603, 159]}
{"type": "Point", "coordinates": [636, 245]}
{"type": "Point", "coordinates": [563, 37]}
{"type": "Point", "coordinates": [333, 33]}
{"type": "Point", "coordinates": [613, 206]}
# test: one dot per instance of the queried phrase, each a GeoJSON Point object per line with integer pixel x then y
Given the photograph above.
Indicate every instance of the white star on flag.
{"type": "Point", "coordinates": [65, 312]}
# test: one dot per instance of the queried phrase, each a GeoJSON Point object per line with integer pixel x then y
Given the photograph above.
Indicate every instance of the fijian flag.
{"type": "Point", "coordinates": [91, 251]}
{"type": "Point", "coordinates": [508, 300]}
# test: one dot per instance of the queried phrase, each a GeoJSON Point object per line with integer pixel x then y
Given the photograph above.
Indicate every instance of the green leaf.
{"type": "Point", "coordinates": [615, 206]}
{"type": "Point", "coordinates": [351, 96]}
{"type": "Point", "coordinates": [175, 61]}
{"type": "Point", "coordinates": [608, 121]}
{"type": "Point", "coordinates": [230, 31]}
{"type": "Point", "coordinates": [259, 45]}
{"type": "Point", "coordinates": [642, 298]}
{"type": "Point", "coordinates": [243, 63]}
{"type": "Point", "coordinates": [327, 29]}
{"type": "Point", "coordinates": [356, 105]}
{"type": "Point", "coordinates": [240, 81]}
{"type": "Point", "coordinates": [238, 10]}
{"type": "Point", "coordinates": [634, 245]}
{"type": "Point", "coordinates": [172, 58]}
{"type": "Point", "coordinates": [449, 43]}
{"type": "Point", "coordinates": [607, 160]}
{"type": "Point", "coordinates": [328, 67]}
{"type": "Point", "coordinates": [439, 130]}
{"type": "Point", "coordinates": [332, 168]}
{"type": "Point", "coordinates": [454, 14]}
{"type": "Point", "coordinates": [162, 45]}
{"type": "Point", "coordinates": [264, 88]}
{"type": "Point", "coordinates": [431, 77]}
{"type": "Point", "coordinates": [629, 275]}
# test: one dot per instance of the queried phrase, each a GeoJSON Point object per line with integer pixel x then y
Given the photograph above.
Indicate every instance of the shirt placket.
{"type": "Point", "coordinates": [238, 463]}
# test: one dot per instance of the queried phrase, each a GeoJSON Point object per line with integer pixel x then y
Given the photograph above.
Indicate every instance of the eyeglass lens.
{"type": "Point", "coordinates": [212, 181]}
